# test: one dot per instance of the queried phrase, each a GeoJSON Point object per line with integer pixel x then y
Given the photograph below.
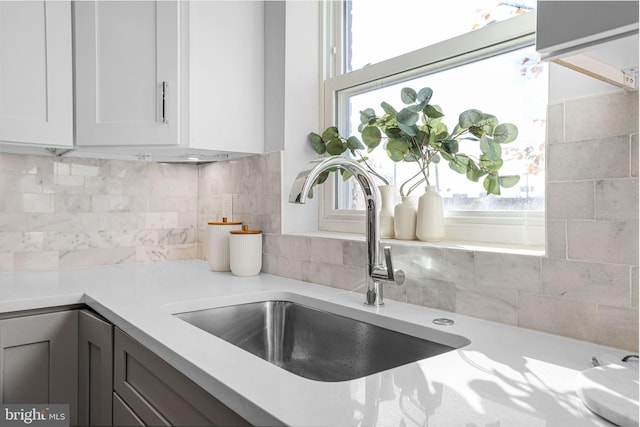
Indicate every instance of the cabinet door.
{"type": "Point", "coordinates": [95, 370]}
{"type": "Point", "coordinates": [126, 72]}
{"type": "Point", "coordinates": [39, 359]}
{"type": "Point", "coordinates": [124, 416]}
{"type": "Point", "coordinates": [160, 395]}
{"type": "Point", "coordinates": [226, 84]}
{"type": "Point", "coordinates": [36, 81]}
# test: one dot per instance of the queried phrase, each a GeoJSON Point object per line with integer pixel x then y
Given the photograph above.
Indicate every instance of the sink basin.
{"type": "Point", "coordinates": [313, 343]}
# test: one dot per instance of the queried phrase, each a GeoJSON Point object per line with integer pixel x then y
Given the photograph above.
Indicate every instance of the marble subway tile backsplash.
{"type": "Point", "coordinates": [246, 190]}
{"type": "Point", "coordinates": [586, 285]}
{"type": "Point", "coordinates": [70, 212]}
{"type": "Point", "coordinates": [60, 213]}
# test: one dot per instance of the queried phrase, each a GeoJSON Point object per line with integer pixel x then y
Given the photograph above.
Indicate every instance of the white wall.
{"type": "Point", "coordinates": [301, 106]}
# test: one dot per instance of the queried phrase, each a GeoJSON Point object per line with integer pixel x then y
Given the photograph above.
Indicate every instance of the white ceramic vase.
{"type": "Point", "coordinates": [387, 194]}
{"type": "Point", "coordinates": [430, 217]}
{"type": "Point", "coordinates": [404, 218]}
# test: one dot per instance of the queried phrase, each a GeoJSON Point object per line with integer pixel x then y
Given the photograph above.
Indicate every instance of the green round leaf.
{"type": "Point", "coordinates": [393, 132]}
{"type": "Point", "coordinates": [491, 185]}
{"type": "Point", "coordinates": [508, 181]}
{"type": "Point", "coordinates": [459, 163]}
{"type": "Point", "coordinates": [408, 95]}
{"type": "Point", "coordinates": [505, 133]}
{"type": "Point", "coordinates": [388, 108]}
{"type": "Point", "coordinates": [435, 158]}
{"type": "Point", "coordinates": [422, 138]}
{"type": "Point", "coordinates": [439, 129]}
{"type": "Point", "coordinates": [490, 148]}
{"type": "Point", "coordinates": [353, 143]}
{"type": "Point", "coordinates": [396, 149]}
{"type": "Point", "coordinates": [317, 144]}
{"type": "Point", "coordinates": [416, 108]}
{"type": "Point", "coordinates": [476, 131]}
{"type": "Point", "coordinates": [335, 147]}
{"type": "Point", "coordinates": [366, 115]}
{"type": "Point", "coordinates": [469, 118]}
{"type": "Point", "coordinates": [488, 123]}
{"type": "Point", "coordinates": [408, 130]}
{"type": "Point", "coordinates": [323, 177]}
{"type": "Point", "coordinates": [490, 165]}
{"type": "Point", "coordinates": [407, 117]}
{"type": "Point", "coordinates": [451, 146]}
{"type": "Point", "coordinates": [425, 94]}
{"type": "Point", "coordinates": [433, 111]}
{"type": "Point", "coordinates": [371, 136]}
{"type": "Point", "coordinates": [330, 133]}
{"type": "Point", "coordinates": [473, 172]}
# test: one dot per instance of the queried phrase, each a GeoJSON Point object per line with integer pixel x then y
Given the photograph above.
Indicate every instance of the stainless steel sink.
{"type": "Point", "coordinates": [313, 343]}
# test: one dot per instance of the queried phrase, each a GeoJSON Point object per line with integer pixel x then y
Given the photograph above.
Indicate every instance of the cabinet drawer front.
{"type": "Point", "coordinates": [163, 394]}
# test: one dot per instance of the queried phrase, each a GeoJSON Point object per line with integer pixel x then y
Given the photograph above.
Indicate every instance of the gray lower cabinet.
{"type": "Point", "coordinates": [95, 370]}
{"type": "Point", "coordinates": [39, 361]}
{"type": "Point", "coordinates": [123, 415]}
{"type": "Point", "coordinates": [150, 391]}
{"type": "Point", "coordinates": [75, 357]}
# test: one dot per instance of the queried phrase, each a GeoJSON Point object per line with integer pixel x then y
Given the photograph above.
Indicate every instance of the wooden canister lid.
{"type": "Point", "coordinates": [225, 221]}
{"type": "Point", "coordinates": [245, 230]}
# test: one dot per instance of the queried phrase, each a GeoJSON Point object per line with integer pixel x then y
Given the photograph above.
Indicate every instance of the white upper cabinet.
{"type": "Point", "coordinates": [36, 80]}
{"type": "Point", "coordinates": [226, 75]}
{"type": "Point", "coordinates": [170, 79]}
{"type": "Point", "coordinates": [570, 27]}
{"type": "Point", "coordinates": [127, 68]}
{"type": "Point", "coordinates": [596, 38]}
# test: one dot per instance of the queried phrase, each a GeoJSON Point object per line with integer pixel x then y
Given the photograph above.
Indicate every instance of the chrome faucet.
{"type": "Point", "coordinates": [377, 273]}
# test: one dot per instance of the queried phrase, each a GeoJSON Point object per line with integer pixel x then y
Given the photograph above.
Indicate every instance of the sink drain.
{"type": "Point", "coordinates": [443, 321]}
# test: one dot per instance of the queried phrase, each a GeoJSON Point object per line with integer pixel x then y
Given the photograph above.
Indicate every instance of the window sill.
{"type": "Point", "coordinates": [445, 244]}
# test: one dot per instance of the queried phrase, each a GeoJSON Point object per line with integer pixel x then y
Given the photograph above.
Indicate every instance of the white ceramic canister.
{"type": "Point", "coordinates": [245, 250]}
{"type": "Point", "coordinates": [218, 243]}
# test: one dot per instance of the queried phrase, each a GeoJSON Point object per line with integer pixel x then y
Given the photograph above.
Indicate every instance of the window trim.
{"type": "Point", "coordinates": [526, 228]}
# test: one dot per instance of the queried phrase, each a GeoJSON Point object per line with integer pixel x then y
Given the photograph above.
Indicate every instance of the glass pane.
{"type": "Point", "coordinates": [512, 87]}
{"type": "Point", "coordinates": [415, 24]}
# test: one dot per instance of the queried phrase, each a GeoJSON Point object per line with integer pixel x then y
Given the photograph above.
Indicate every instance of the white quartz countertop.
{"type": "Point", "coordinates": [505, 377]}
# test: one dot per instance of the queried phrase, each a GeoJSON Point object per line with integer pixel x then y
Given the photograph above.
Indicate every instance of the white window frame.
{"type": "Point", "coordinates": [499, 228]}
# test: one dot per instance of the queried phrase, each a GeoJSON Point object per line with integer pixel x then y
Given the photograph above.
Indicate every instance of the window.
{"type": "Point", "coordinates": [482, 59]}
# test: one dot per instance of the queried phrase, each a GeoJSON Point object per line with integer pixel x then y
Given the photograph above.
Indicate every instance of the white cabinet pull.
{"type": "Point", "coordinates": [163, 102]}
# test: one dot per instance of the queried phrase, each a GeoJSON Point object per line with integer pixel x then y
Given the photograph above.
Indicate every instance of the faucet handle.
{"type": "Point", "coordinates": [397, 276]}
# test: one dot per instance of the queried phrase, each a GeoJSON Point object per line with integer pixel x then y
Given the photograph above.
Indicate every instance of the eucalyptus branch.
{"type": "Point", "coordinates": [372, 170]}
{"type": "Point", "coordinates": [409, 141]}
{"type": "Point", "coordinates": [458, 135]}
{"type": "Point", "coordinates": [423, 165]}
{"type": "Point", "coordinates": [413, 186]}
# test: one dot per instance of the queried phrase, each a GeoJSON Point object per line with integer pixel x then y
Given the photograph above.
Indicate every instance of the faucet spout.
{"type": "Point", "coordinates": [377, 273]}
